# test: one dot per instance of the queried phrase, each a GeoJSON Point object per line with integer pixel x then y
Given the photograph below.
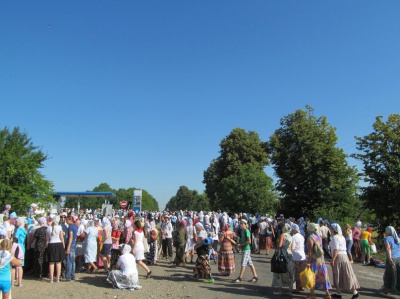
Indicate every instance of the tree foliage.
{"type": "Point", "coordinates": [186, 199]}
{"type": "Point", "coordinates": [21, 182]}
{"type": "Point", "coordinates": [236, 181]}
{"type": "Point", "coordinates": [380, 154]}
{"type": "Point", "coordinates": [149, 203]}
{"type": "Point", "coordinates": [313, 174]}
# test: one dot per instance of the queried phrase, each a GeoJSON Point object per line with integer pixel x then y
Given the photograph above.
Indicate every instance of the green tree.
{"type": "Point", "coordinates": [236, 181]}
{"type": "Point", "coordinates": [186, 199]}
{"type": "Point", "coordinates": [21, 182]}
{"type": "Point", "coordinates": [380, 154]}
{"type": "Point", "coordinates": [314, 177]}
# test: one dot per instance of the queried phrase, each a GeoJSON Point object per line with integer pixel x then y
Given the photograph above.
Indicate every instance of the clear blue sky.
{"type": "Point", "coordinates": [140, 93]}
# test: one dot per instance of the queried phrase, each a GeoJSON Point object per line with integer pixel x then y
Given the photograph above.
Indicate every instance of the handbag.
{"type": "Point", "coordinates": [307, 278]}
{"type": "Point", "coordinates": [373, 248]}
{"type": "Point", "coordinates": [279, 262]}
{"type": "Point", "coordinates": [317, 250]}
{"type": "Point", "coordinates": [146, 245]}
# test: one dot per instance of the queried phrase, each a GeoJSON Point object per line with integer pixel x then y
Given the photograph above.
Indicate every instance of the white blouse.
{"type": "Point", "coordinates": [56, 236]}
{"type": "Point", "coordinates": [338, 242]}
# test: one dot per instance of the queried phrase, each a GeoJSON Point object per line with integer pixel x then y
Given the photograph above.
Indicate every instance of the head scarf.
{"type": "Point", "coordinates": [42, 221]}
{"type": "Point", "coordinates": [369, 229]}
{"type": "Point", "coordinates": [392, 232]}
{"type": "Point", "coordinates": [336, 227]}
{"type": "Point", "coordinates": [105, 222]}
{"type": "Point", "coordinates": [128, 223]}
{"type": "Point", "coordinates": [226, 227]}
{"type": "Point", "coordinates": [286, 228]}
{"type": "Point", "coordinates": [8, 207]}
{"type": "Point", "coordinates": [13, 215]}
{"type": "Point", "coordinates": [90, 223]}
{"type": "Point", "coordinates": [358, 223]}
{"type": "Point", "coordinates": [312, 227]}
{"type": "Point", "coordinates": [127, 249]}
{"type": "Point", "coordinates": [295, 227]}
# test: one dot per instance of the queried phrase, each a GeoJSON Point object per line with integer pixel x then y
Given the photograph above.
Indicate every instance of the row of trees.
{"type": "Point", "coordinates": [313, 174]}
{"type": "Point", "coordinates": [22, 183]}
{"type": "Point", "coordinates": [314, 177]}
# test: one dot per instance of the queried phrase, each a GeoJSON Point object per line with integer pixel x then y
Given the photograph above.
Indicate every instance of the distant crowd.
{"type": "Point", "coordinates": [55, 246]}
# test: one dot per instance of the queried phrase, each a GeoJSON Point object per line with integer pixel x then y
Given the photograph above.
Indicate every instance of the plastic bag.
{"type": "Point", "coordinates": [373, 248]}
{"type": "Point", "coordinates": [279, 262]}
{"type": "Point", "coordinates": [307, 278]}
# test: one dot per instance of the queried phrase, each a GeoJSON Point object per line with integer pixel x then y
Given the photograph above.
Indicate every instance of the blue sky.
{"type": "Point", "coordinates": [140, 93]}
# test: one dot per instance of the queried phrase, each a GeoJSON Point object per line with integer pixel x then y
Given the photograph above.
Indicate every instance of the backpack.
{"type": "Point", "coordinates": [176, 239]}
{"type": "Point", "coordinates": [317, 250]}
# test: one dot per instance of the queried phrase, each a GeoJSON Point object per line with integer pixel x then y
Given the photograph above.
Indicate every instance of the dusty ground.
{"type": "Point", "coordinates": [169, 281]}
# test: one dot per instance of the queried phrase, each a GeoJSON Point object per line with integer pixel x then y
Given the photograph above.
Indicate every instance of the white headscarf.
{"type": "Point", "coordinates": [336, 227]}
{"type": "Point", "coordinates": [127, 249]}
{"type": "Point", "coordinates": [105, 222]}
{"type": "Point", "coordinates": [392, 232]}
{"type": "Point", "coordinates": [128, 223]}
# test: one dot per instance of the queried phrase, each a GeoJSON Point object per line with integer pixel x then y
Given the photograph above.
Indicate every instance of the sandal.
{"type": "Point", "coordinates": [148, 274]}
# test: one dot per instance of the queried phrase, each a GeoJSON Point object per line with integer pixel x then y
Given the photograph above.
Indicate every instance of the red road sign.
{"type": "Point", "coordinates": [123, 204]}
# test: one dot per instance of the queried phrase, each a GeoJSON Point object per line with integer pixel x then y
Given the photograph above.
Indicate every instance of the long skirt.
{"type": "Point", "coordinates": [226, 261]}
{"type": "Point", "coordinates": [121, 281]}
{"type": "Point", "coordinates": [265, 242]}
{"type": "Point", "coordinates": [357, 249]}
{"type": "Point", "coordinates": [391, 277]}
{"type": "Point", "coordinates": [299, 266]}
{"type": "Point", "coordinates": [202, 267]}
{"type": "Point", "coordinates": [280, 280]}
{"type": "Point", "coordinates": [318, 267]}
{"type": "Point", "coordinates": [343, 274]}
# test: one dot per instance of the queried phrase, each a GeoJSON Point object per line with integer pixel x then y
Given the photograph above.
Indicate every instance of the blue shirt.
{"type": "Point", "coordinates": [21, 233]}
{"type": "Point", "coordinates": [74, 230]}
{"type": "Point", "coordinates": [393, 246]}
{"type": "Point", "coordinates": [5, 273]}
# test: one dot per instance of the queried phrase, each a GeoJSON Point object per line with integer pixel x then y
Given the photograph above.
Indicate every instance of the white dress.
{"type": "Point", "coordinates": [139, 248]}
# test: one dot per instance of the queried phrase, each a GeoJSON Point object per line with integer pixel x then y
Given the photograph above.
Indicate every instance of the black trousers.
{"type": "Point", "coordinates": [167, 246]}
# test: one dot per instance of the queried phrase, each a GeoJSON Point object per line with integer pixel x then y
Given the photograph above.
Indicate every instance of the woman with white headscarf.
{"type": "Point", "coordinates": [107, 243]}
{"type": "Point", "coordinates": [90, 246]}
{"type": "Point", "coordinates": [189, 247]}
{"type": "Point", "coordinates": [391, 278]}
{"type": "Point", "coordinates": [40, 247]}
{"type": "Point", "coordinates": [126, 276]}
{"type": "Point", "coordinates": [317, 264]}
{"type": "Point", "coordinates": [356, 231]}
{"type": "Point", "coordinates": [343, 274]}
{"type": "Point", "coordinates": [299, 256]}
{"type": "Point", "coordinates": [281, 280]}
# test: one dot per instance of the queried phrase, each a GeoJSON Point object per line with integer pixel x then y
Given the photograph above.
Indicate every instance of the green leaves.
{"type": "Point", "coordinates": [380, 154]}
{"type": "Point", "coordinates": [312, 172]}
{"type": "Point", "coordinates": [186, 199]}
{"type": "Point", "coordinates": [21, 182]}
{"type": "Point", "coordinates": [236, 180]}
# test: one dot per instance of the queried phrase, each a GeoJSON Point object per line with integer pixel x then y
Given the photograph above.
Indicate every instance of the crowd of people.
{"type": "Point", "coordinates": [61, 244]}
